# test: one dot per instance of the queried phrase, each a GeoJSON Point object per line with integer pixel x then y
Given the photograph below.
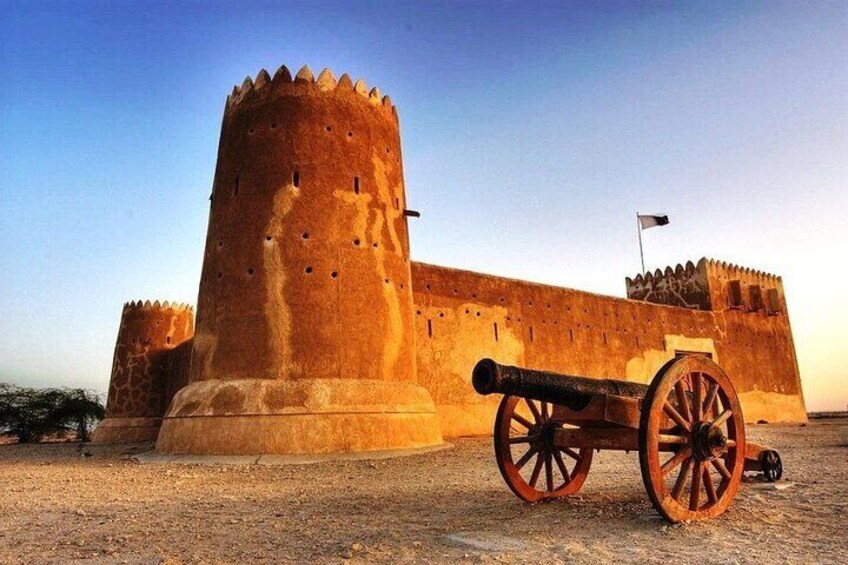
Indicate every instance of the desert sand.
{"type": "Point", "coordinates": [57, 506]}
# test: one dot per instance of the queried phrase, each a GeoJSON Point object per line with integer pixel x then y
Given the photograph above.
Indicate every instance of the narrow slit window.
{"type": "Point", "coordinates": [773, 301]}
{"type": "Point", "coordinates": [429, 328]}
{"type": "Point", "coordinates": [531, 334]}
{"type": "Point", "coordinates": [236, 186]}
{"type": "Point", "coordinates": [356, 185]}
{"type": "Point", "coordinates": [734, 294]}
{"type": "Point", "coordinates": [296, 178]}
{"type": "Point", "coordinates": [755, 298]}
{"type": "Point", "coordinates": [496, 330]}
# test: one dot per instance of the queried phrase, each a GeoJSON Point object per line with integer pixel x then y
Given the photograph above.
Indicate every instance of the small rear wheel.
{"type": "Point", "coordinates": [691, 440]}
{"type": "Point", "coordinates": [772, 465]}
{"type": "Point", "coordinates": [533, 468]}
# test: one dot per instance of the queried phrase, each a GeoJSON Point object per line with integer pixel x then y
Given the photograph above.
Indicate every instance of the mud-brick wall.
{"type": "Point", "coordinates": [461, 317]}
{"type": "Point", "coordinates": [151, 363]}
{"type": "Point", "coordinates": [305, 273]}
{"type": "Point", "coordinates": [151, 359]}
{"type": "Point", "coordinates": [756, 344]}
{"type": "Point", "coordinates": [681, 286]}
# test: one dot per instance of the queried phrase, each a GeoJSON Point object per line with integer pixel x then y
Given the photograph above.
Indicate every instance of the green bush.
{"type": "Point", "coordinates": [31, 414]}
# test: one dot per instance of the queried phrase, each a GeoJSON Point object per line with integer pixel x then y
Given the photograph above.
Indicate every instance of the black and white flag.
{"type": "Point", "coordinates": [651, 221]}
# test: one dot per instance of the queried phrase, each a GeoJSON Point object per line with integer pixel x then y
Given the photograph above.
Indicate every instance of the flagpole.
{"type": "Point", "coordinates": [641, 252]}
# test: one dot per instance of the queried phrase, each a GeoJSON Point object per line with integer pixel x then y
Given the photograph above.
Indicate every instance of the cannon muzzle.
{"type": "Point", "coordinates": [490, 377]}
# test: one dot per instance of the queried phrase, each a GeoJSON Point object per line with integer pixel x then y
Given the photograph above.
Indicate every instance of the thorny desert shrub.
{"type": "Point", "coordinates": [30, 414]}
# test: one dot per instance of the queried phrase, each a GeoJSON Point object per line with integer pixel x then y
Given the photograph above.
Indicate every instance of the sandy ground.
{"type": "Point", "coordinates": [447, 506]}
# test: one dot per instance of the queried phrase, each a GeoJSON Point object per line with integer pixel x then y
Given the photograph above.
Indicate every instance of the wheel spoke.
{"type": "Point", "coordinates": [545, 415]}
{"type": "Point", "coordinates": [709, 403]}
{"type": "Point", "coordinates": [730, 443]}
{"type": "Point", "coordinates": [722, 418]}
{"type": "Point", "coordinates": [682, 402]}
{"type": "Point", "coordinates": [680, 483]}
{"type": "Point", "coordinates": [519, 439]}
{"type": "Point", "coordinates": [526, 457]}
{"type": "Point", "coordinates": [549, 472]}
{"type": "Point", "coordinates": [698, 401]}
{"type": "Point", "coordinates": [695, 490]}
{"type": "Point", "coordinates": [708, 485]}
{"type": "Point", "coordinates": [678, 458]}
{"type": "Point", "coordinates": [562, 468]}
{"type": "Point", "coordinates": [720, 467]}
{"type": "Point", "coordinates": [668, 438]}
{"type": "Point", "coordinates": [571, 453]}
{"type": "Point", "coordinates": [522, 420]}
{"type": "Point", "coordinates": [534, 476]}
{"type": "Point", "coordinates": [534, 410]}
{"type": "Point", "coordinates": [677, 417]}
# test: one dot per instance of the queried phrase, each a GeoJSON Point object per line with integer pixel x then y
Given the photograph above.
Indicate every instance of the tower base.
{"type": "Point", "coordinates": [263, 416]}
{"type": "Point", "coordinates": [126, 430]}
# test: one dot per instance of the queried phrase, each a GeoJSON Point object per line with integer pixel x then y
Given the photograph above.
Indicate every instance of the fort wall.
{"type": "Point", "coordinates": [148, 367]}
{"type": "Point", "coordinates": [463, 316]}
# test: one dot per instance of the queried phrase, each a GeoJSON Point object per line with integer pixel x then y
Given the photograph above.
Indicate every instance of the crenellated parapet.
{"type": "Point", "coordinates": [685, 286]}
{"type": "Point", "coordinates": [165, 306]}
{"type": "Point", "coordinates": [710, 285]}
{"type": "Point", "coordinates": [733, 287]}
{"type": "Point", "coordinates": [264, 88]}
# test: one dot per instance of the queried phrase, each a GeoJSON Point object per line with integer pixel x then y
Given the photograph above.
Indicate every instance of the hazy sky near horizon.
{"type": "Point", "coordinates": [532, 133]}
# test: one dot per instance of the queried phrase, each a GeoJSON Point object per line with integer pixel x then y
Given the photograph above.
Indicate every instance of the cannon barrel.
{"type": "Point", "coordinates": [490, 377]}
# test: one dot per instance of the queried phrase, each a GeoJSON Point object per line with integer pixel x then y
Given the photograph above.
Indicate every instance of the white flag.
{"type": "Point", "coordinates": [651, 221]}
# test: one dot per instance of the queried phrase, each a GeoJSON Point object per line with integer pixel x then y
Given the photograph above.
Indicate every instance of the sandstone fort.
{"type": "Point", "coordinates": [316, 332]}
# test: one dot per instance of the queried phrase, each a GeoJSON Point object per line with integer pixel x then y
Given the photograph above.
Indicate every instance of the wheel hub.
{"type": "Point", "coordinates": [546, 435]}
{"type": "Point", "coordinates": [709, 441]}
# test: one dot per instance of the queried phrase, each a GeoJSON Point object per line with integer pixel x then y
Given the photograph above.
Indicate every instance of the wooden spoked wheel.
{"type": "Point", "coordinates": [691, 440]}
{"type": "Point", "coordinates": [532, 466]}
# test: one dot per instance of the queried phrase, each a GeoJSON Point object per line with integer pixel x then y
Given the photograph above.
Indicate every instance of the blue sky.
{"type": "Point", "coordinates": [532, 133]}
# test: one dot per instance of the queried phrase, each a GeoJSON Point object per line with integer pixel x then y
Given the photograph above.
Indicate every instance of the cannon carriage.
{"type": "Point", "coordinates": [687, 427]}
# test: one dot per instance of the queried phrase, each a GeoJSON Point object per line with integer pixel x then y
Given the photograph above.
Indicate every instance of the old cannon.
{"type": "Point", "coordinates": [687, 427]}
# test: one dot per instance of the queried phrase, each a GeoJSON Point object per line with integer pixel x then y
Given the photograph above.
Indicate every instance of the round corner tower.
{"type": "Point", "coordinates": [304, 338]}
{"type": "Point", "coordinates": [148, 366]}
